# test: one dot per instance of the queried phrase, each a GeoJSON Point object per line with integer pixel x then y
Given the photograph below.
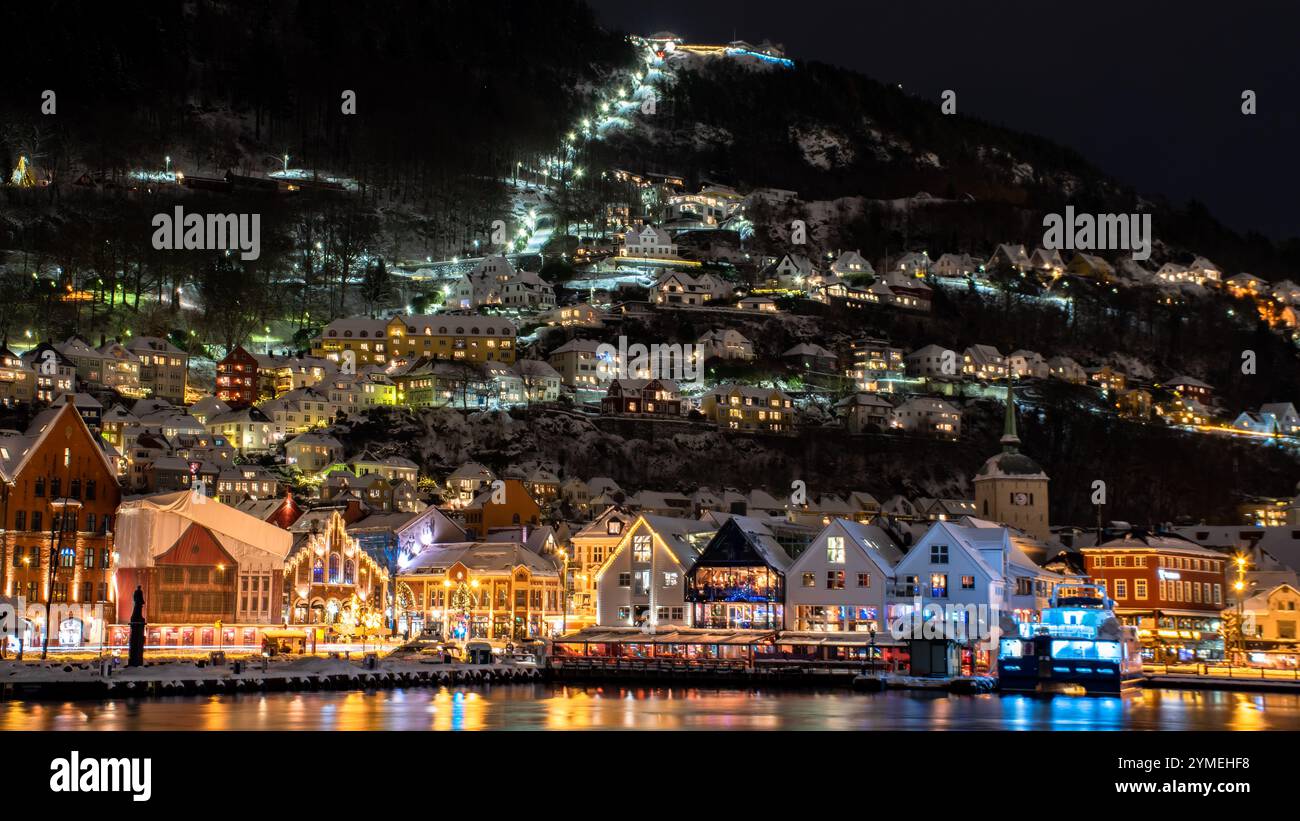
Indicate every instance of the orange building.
{"type": "Point", "coordinates": [500, 506]}
{"type": "Point", "coordinates": [57, 501]}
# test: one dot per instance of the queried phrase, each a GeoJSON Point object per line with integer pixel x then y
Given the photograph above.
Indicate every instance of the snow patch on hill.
{"type": "Point", "coordinates": [823, 148]}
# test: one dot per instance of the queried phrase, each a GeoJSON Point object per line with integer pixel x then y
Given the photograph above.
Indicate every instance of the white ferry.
{"type": "Point", "coordinates": [1078, 644]}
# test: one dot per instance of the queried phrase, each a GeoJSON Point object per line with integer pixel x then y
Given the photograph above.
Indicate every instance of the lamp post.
{"type": "Point", "coordinates": [1240, 587]}
{"type": "Point", "coordinates": [564, 591]}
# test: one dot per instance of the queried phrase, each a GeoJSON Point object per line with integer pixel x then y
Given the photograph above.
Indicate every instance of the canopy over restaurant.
{"type": "Point", "coordinates": [703, 644]}
{"type": "Point", "coordinates": [679, 642]}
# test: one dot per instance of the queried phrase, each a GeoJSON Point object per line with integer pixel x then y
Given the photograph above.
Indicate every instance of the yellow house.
{"type": "Point", "coordinates": [741, 407]}
{"type": "Point", "coordinates": [1272, 615]}
{"type": "Point", "coordinates": [471, 338]}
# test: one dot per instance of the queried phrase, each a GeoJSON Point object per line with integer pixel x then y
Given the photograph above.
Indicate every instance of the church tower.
{"type": "Point", "coordinates": [1011, 488]}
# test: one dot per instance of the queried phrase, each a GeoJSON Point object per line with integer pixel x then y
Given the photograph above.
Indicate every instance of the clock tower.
{"type": "Point", "coordinates": [1011, 488]}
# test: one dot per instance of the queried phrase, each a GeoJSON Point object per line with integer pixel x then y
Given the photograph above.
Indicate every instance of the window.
{"type": "Point", "coordinates": [318, 571]}
{"type": "Point", "coordinates": [67, 557]}
{"type": "Point", "coordinates": [1139, 588]}
{"type": "Point", "coordinates": [939, 584]}
{"type": "Point", "coordinates": [641, 548]}
{"type": "Point", "coordinates": [670, 580]}
{"type": "Point", "coordinates": [835, 550]}
{"type": "Point", "coordinates": [1121, 588]}
{"type": "Point", "coordinates": [810, 580]}
{"type": "Point", "coordinates": [642, 586]}
{"type": "Point", "coordinates": [20, 520]}
{"type": "Point", "coordinates": [835, 580]}
{"type": "Point", "coordinates": [624, 579]}
{"type": "Point", "coordinates": [967, 582]}
{"type": "Point", "coordinates": [938, 554]}
{"type": "Point", "coordinates": [864, 580]}
{"type": "Point", "coordinates": [1218, 594]}
{"type": "Point", "coordinates": [88, 561]}
{"type": "Point", "coordinates": [625, 614]}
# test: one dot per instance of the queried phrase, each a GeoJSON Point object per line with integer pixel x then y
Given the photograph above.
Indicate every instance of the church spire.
{"type": "Point", "coordinates": [1009, 438]}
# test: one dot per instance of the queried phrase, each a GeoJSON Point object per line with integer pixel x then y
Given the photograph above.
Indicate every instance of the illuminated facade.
{"type": "Point", "coordinates": [588, 549]}
{"type": "Point", "coordinates": [455, 337]}
{"type": "Point", "coordinates": [237, 378]}
{"type": "Point", "coordinates": [739, 580]}
{"type": "Point", "coordinates": [1171, 589]}
{"type": "Point", "coordinates": [326, 570]}
{"type": "Point", "coordinates": [58, 499]}
{"type": "Point", "coordinates": [481, 590]}
{"type": "Point", "coordinates": [642, 580]}
{"type": "Point", "coordinates": [745, 408]}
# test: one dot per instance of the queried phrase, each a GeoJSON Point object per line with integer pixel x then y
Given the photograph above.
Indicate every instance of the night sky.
{"type": "Point", "coordinates": [1148, 91]}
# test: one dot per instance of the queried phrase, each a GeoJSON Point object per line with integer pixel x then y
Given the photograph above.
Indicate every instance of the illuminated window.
{"type": "Point", "coordinates": [835, 550]}
{"type": "Point", "coordinates": [938, 585]}
{"type": "Point", "coordinates": [641, 548]}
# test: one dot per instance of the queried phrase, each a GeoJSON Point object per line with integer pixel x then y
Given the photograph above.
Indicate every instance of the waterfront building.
{"type": "Point", "coordinates": [481, 590]}
{"type": "Point", "coordinates": [58, 497]}
{"type": "Point", "coordinates": [211, 575]}
{"type": "Point", "coordinates": [842, 581]}
{"type": "Point", "coordinates": [328, 577]}
{"type": "Point", "coordinates": [739, 579]}
{"type": "Point", "coordinates": [642, 580]}
{"type": "Point", "coordinates": [588, 550]}
{"type": "Point", "coordinates": [1169, 587]}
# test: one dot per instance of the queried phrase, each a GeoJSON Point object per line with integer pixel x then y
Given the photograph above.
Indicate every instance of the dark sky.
{"type": "Point", "coordinates": [1149, 91]}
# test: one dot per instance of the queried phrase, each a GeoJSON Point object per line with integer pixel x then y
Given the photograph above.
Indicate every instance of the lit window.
{"type": "Point", "coordinates": [835, 550]}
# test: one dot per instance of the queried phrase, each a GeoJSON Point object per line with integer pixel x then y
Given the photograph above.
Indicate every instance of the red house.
{"type": "Point", "coordinates": [1172, 589]}
{"type": "Point", "coordinates": [642, 397]}
{"type": "Point", "coordinates": [237, 378]}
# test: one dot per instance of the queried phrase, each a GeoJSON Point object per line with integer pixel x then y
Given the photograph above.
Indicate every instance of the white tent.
{"type": "Point", "coordinates": [148, 527]}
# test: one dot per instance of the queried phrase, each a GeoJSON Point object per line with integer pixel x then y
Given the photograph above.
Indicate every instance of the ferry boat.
{"type": "Point", "coordinates": [1078, 644]}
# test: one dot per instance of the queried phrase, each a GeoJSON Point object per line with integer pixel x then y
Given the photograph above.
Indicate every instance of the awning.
{"type": "Point", "coordinates": [845, 639]}
{"type": "Point", "coordinates": [680, 636]}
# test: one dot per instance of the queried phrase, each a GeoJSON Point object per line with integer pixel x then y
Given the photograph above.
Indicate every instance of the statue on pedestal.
{"type": "Point", "coordinates": [135, 650]}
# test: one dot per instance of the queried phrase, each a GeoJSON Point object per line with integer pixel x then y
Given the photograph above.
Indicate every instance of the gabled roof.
{"type": "Point", "coordinates": [871, 540]}
{"type": "Point", "coordinates": [16, 451]}
{"type": "Point", "coordinates": [744, 541]}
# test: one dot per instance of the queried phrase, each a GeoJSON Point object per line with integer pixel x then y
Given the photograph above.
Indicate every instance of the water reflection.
{"type": "Point", "coordinates": [561, 707]}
